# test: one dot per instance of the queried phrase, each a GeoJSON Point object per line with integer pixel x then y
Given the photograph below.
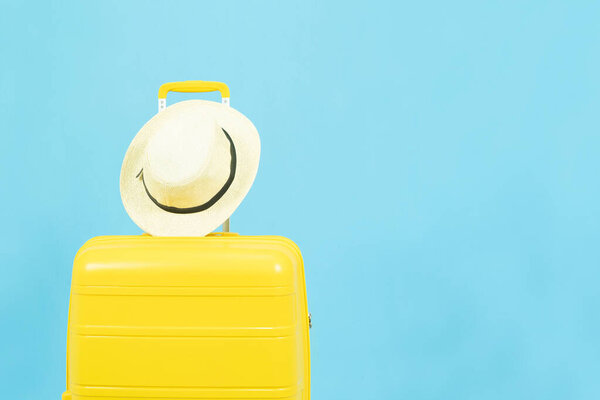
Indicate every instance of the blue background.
{"type": "Point", "coordinates": [437, 163]}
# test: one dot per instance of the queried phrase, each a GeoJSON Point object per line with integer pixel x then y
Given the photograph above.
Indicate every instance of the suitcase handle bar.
{"type": "Point", "coordinates": [194, 87]}
{"type": "Point", "coordinates": [191, 87]}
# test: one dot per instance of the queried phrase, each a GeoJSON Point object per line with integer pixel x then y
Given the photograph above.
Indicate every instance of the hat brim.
{"type": "Point", "coordinates": [158, 222]}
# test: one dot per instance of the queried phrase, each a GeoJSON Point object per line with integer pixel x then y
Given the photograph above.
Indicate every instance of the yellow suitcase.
{"type": "Point", "coordinates": [216, 317]}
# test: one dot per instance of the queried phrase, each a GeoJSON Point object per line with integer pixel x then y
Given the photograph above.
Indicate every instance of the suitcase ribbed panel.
{"type": "Point", "coordinates": [188, 318]}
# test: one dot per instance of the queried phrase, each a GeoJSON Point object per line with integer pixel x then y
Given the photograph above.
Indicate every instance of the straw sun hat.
{"type": "Point", "coordinates": [189, 168]}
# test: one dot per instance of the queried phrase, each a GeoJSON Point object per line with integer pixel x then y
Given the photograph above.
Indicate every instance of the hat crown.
{"type": "Point", "coordinates": [186, 164]}
{"type": "Point", "coordinates": [180, 154]}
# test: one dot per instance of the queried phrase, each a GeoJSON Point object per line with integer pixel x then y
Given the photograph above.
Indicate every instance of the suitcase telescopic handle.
{"type": "Point", "coordinates": [194, 87]}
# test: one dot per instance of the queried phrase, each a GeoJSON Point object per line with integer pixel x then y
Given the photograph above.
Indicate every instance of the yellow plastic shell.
{"type": "Point", "coordinates": [216, 317]}
{"type": "Point", "coordinates": [193, 87]}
